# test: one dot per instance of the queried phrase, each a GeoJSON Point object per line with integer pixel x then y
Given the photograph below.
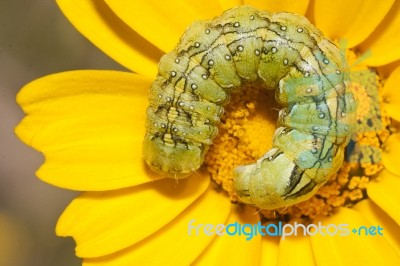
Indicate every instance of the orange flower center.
{"type": "Point", "coordinates": [248, 126]}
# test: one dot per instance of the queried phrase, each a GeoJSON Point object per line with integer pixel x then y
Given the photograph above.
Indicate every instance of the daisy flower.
{"type": "Point", "coordinates": [90, 125]}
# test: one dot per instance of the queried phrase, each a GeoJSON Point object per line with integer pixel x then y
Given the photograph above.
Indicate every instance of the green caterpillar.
{"type": "Point", "coordinates": [281, 51]}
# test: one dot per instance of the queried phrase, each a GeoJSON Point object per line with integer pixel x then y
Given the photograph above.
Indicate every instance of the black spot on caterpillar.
{"type": "Point", "coordinates": [244, 45]}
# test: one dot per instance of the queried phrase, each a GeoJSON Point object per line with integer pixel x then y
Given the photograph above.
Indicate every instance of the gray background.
{"type": "Point", "coordinates": [35, 40]}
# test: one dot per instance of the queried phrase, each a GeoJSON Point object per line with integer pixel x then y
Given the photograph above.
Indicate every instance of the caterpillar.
{"type": "Point", "coordinates": [281, 51]}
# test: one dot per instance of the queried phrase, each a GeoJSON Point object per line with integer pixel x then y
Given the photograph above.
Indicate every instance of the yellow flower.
{"type": "Point", "coordinates": [90, 124]}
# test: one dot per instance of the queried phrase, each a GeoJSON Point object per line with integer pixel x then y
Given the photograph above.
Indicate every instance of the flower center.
{"type": "Point", "coordinates": [247, 128]}
{"type": "Point", "coordinates": [245, 134]}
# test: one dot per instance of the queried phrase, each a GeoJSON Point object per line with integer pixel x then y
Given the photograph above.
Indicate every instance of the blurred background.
{"type": "Point", "coordinates": [35, 40]}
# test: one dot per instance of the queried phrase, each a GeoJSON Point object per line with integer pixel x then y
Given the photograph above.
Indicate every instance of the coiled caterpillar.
{"type": "Point", "coordinates": [282, 51]}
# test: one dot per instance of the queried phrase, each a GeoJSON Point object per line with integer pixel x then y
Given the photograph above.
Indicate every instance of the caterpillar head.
{"type": "Point", "coordinates": [175, 160]}
{"type": "Point", "coordinates": [273, 182]}
{"type": "Point", "coordinates": [251, 191]}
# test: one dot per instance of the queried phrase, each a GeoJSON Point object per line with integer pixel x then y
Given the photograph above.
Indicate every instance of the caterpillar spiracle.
{"type": "Point", "coordinates": [281, 51]}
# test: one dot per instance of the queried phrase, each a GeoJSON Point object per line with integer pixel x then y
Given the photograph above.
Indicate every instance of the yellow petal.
{"type": "Point", "coordinates": [390, 155]}
{"type": "Point", "coordinates": [205, 8]}
{"type": "Point", "coordinates": [350, 20]}
{"type": "Point", "coordinates": [298, 7]}
{"type": "Point", "coordinates": [105, 222]}
{"type": "Point", "coordinates": [234, 249]}
{"type": "Point", "coordinates": [90, 126]}
{"type": "Point", "coordinates": [391, 95]}
{"type": "Point", "coordinates": [374, 214]}
{"type": "Point", "coordinates": [295, 250]}
{"type": "Point", "coordinates": [385, 193]}
{"type": "Point", "coordinates": [104, 29]}
{"type": "Point", "coordinates": [173, 244]}
{"type": "Point", "coordinates": [227, 4]}
{"type": "Point", "coordinates": [384, 42]}
{"type": "Point", "coordinates": [351, 248]}
{"type": "Point", "coordinates": [158, 22]}
{"type": "Point", "coordinates": [269, 250]}
{"type": "Point", "coordinates": [386, 70]}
